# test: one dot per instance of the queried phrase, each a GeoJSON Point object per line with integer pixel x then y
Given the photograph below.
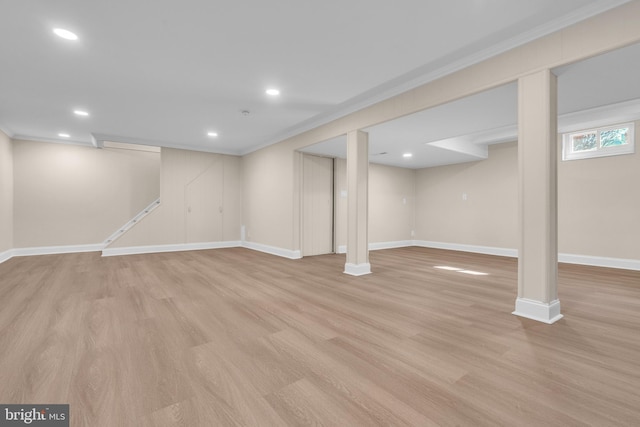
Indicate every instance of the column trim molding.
{"type": "Point", "coordinates": [535, 310]}
{"type": "Point", "coordinates": [357, 269]}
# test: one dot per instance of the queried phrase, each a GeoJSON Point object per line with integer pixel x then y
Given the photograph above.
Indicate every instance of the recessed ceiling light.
{"type": "Point", "coordinates": [272, 92]}
{"type": "Point", "coordinates": [212, 134]}
{"type": "Point", "coordinates": [64, 135]}
{"type": "Point", "coordinates": [80, 113]}
{"type": "Point", "coordinates": [407, 155]}
{"type": "Point", "coordinates": [65, 34]}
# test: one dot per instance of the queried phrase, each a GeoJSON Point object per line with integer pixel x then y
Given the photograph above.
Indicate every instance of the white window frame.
{"type": "Point", "coordinates": [616, 150]}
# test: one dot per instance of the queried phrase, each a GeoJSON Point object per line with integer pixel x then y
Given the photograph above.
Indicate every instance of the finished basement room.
{"type": "Point", "coordinates": [341, 214]}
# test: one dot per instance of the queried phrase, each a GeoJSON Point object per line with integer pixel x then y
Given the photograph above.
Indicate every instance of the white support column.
{"type": "Point", "coordinates": [357, 204]}
{"type": "Point", "coordinates": [538, 207]}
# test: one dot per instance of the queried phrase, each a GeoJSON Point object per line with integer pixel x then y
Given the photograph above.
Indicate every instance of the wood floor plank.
{"type": "Point", "coordinates": [234, 337]}
{"type": "Point", "coordinates": [222, 377]}
{"type": "Point", "coordinates": [304, 403]}
{"type": "Point", "coordinates": [343, 380]}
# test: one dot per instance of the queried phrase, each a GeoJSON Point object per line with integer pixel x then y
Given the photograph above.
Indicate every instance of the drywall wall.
{"type": "Point", "coordinates": [268, 199]}
{"type": "Point", "coordinates": [6, 193]}
{"type": "Point", "coordinates": [471, 203]}
{"type": "Point", "coordinates": [391, 203]}
{"type": "Point", "coordinates": [598, 204]}
{"type": "Point", "coordinates": [76, 195]}
{"type": "Point", "coordinates": [271, 205]}
{"type": "Point", "coordinates": [200, 197]}
{"type": "Point", "coordinates": [232, 198]}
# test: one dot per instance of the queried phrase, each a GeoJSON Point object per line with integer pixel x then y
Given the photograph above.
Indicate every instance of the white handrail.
{"type": "Point", "coordinates": [133, 221]}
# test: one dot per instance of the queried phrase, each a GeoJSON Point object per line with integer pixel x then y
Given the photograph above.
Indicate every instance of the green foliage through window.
{"type": "Point", "coordinates": [603, 141]}
{"type": "Point", "coordinates": [584, 142]}
{"type": "Point", "coordinates": [613, 137]}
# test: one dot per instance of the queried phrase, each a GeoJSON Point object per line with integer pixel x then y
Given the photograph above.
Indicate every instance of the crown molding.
{"type": "Point", "coordinates": [98, 140]}
{"type": "Point", "coordinates": [626, 111]}
{"type": "Point", "coordinates": [426, 74]}
{"type": "Point", "coordinates": [101, 138]}
{"type": "Point", "coordinates": [6, 131]}
{"type": "Point", "coordinates": [21, 137]}
{"type": "Point", "coordinates": [129, 146]}
{"type": "Point", "coordinates": [611, 114]}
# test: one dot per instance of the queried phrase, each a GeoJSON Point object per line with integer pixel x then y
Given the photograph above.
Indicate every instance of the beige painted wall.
{"type": "Point", "coordinates": [598, 203]}
{"type": "Point", "coordinates": [268, 196]}
{"type": "Point", "coordinates": [271, 203]}
{"type": "Point", "coordinates": [75, 195]}
{"type": "Point", "coordinates": [232, 198]}
{"type": "Point", "coordinates": [6, 193]}
{"type": "Point", "coordinates": [391, 203]}
{"type": "Point", "coordinates": [489, 215]}
{"type": "Point", "coordinates": [171, 221]}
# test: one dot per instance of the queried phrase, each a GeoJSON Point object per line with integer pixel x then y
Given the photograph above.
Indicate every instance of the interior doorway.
{"type": "Point", "coordinates": [317, 205]}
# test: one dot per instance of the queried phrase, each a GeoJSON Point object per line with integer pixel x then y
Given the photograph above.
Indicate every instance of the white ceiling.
{"type": "Point", "coordinates": [165, 73]}
{"type": "Point", "coordinates": [595, 92]}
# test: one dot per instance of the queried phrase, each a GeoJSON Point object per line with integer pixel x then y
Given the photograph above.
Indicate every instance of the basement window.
{"type": "Point", "coordinates": [599, 142]}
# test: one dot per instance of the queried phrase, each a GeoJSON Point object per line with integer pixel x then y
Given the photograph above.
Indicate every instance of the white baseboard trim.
{"type": "Point", "coordinates": [596, 261]}
{"type": "Point", "coordinates": [488, 250]}
{"type": "Point", "coordinates": [357, 269]}
{"type": "Point", "coordinates": [52, 250]}
{"type": "Point", "coordinates": [136, 250]}
{"type": "Point", "coordinates": [621, 263]}
{"type": "Point", "coordinates": [342, 249]}
{"type": "Point", "coordinates": [389, 245]}
{"type": "Point", "coordinates": [152, 249]}
{"type": "Point", "coordinates": [6, 255]}
{"type": "Point", "coordinates": [536, 310]}
{"type": "Point", "coordinates": [285, 253]}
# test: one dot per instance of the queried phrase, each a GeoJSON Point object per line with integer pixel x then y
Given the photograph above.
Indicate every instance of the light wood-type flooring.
{"type": "Point", "coordinates": [233, 337]}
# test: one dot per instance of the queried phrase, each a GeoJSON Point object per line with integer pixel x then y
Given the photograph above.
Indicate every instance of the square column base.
{"type": "Point", "coordinates": [536, 310]}
{"type": "Point", "coordinates": [357, 269]}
